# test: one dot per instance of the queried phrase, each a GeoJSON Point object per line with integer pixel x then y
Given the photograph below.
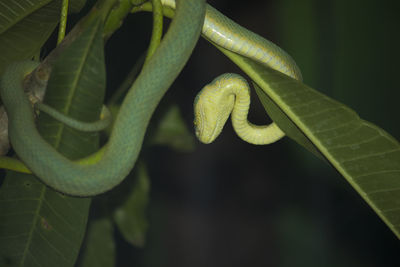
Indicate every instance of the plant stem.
{"type": "Point", "coordinates": [157, 29]}
{"type": "Point", "coordinates": [63, 21]}
{"type": "Point", "coordinates": [116, 17]}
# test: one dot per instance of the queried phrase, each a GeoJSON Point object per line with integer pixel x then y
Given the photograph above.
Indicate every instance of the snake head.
{"type": "Point", "coordinates": [212, 108]}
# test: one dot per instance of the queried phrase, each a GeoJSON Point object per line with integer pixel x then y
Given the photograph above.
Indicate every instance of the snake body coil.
{"type": "Point", "coordinates": [229, 93]}
{"type": "Point", "coordinates": [123, 147]}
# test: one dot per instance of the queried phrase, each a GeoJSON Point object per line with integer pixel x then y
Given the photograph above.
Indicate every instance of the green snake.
{"type": "Point", "coordinates": [229, 94]}
{"type": "Point", "coordinates": [124, 144]}
{"type": "Point", "coordinates": [123, 147]}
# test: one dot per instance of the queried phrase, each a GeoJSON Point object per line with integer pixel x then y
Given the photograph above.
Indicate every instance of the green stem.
{"type": "Point", "coordinates": [63, 21]}
{"type": "Point", "coordinates": [157, 28]}
{"type": "Point", "coordinates": [13, 164]}
{"type": "Point", "coordinates": [167, 11]}
{"type": "Point", "coordinates": [116, 16]}
{"type": "Point", "coordinates": [154, 43]}
{"type": "Point", "coordinates": [102, 9]}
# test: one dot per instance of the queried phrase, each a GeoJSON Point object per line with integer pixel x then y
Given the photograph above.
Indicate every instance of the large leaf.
{"type": "Point", "coordinates": [172, 131]}
{"type": "Point", "coordinates": [130, 217]}
{"type": "Point", "coordinates": [38, 226]}
{"type": "Point", "coordinates": [99, 245]}
{"type": "Point", "coordinates": [367, 156]}
{"type": "Point", "coordinates": [25, 25]}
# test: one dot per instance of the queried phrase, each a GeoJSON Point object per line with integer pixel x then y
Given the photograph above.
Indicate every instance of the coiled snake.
{"type": "Point", "coordinates": [123, 146]}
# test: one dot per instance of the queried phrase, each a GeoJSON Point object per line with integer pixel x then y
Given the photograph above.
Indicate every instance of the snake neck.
{"type": "Point", "coordinates": [251, 133]}
{"type": "Point", "coordinates": [231, 36]}
{"type": "Point", "coordinates": [228, 34]}
{"type": "Point", "coordinates": [229, 94]}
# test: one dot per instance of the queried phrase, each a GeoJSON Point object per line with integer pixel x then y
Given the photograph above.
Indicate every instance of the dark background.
{"type": "Point", "coordinates": [234, 204]}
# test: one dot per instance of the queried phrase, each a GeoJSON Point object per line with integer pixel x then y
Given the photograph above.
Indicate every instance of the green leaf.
{"type": "Point", "coordinates": [25, 25]}
{"type": "Point", "coordinates": [77, 83]}
{"type": "Point", "coordinates": [99, 245]}
{"type": "Point", "coordinates": [367, 156]}
{"type": "Point", "coordinates": [38, 226]}
{"type": "Point", "coordinates": [173, 132]}
{"type": "Point", "coordinates": [130, 217]}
